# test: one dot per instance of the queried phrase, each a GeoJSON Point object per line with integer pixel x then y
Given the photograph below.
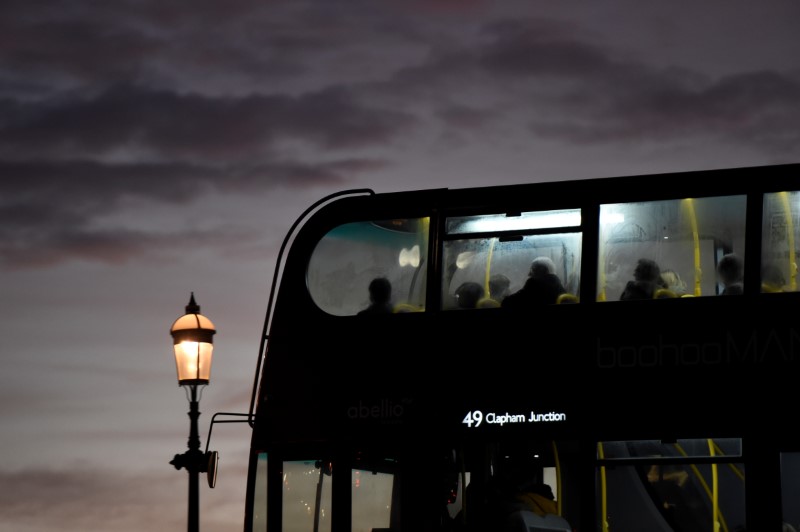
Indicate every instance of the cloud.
{"type": "Point", "coordinates": [536, 47]}
{"type": "Point", "coordinates": [212, 48]}
{"type": "Point", "coordinates": [576, 91]}
{"type": "Point", "coordinates": [67, 47]}
{"type": "Point", "coordinates": [756, 110]}
{"type": "Point", "coordinates": [74, 160]}
{"type": "Point", "coordinates": [55, 212]}
{"type": "Point", "coordinates": [131, 122]}
{"type": "Point", "coordinates": [602, 98]}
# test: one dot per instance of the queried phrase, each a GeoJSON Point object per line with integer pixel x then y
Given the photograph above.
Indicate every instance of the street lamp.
{"type": "Point", "coordinates": [192, 335]}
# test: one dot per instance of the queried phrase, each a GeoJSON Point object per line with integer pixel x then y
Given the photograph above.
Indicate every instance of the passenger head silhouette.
{"type": "Point", "coordinates": [380, 290]}
{"type": "Point", "coordinates": [468, 294]}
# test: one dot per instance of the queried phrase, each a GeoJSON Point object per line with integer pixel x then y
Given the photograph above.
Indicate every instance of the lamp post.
{"type": "Point", "coordinates": [192, 336]}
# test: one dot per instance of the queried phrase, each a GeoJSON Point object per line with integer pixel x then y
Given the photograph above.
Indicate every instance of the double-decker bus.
{"type": "Point", "coordinates": [583, 409]}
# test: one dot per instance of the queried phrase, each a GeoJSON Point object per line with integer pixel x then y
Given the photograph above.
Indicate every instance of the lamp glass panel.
{"type": "Point", "coordinates": [193, 360]}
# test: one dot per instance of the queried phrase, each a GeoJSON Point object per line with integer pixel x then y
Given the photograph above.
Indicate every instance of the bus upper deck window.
{"type": "Point", "coordinates": [349, 257]}
{"type": "Point", "coordinates": [671, 248]}
{"type": "Point", "coordinates": [779, 241]}
{"type": "Point", "coordinates": [487, 257]}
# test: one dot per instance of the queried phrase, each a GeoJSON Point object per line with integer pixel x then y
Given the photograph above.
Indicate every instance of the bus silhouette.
{"type": "Point", "coordinates": [578, 408]}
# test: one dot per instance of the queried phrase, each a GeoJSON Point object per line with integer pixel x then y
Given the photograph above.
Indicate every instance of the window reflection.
{"type": "Point", "coordinates": [492, 223]}
{"type": "Point", "coordinates": [372, 500]}
{"type": "Point", "coordinates": [683, 240]}
{"type": "Point", "coordinates": [657, 486]}
{"type": "Point", "coordinates": [494, 257]}
{"type": "Point", "coordinates": [351, 256]}
{"type": "Point", "coordinates": [260, 495]}
{"type": "Point", "coordinates": [779, 242]}
{"type": "Point", "coordinates": [502, 267]}
{"type": "Point", "coordinates": [306, 496]}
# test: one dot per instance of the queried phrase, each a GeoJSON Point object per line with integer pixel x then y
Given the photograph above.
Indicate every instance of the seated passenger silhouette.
{"type": "Point", "coordinates": [674, 286]}
{"type": "Point", "coordinates": [380, 295]}
{"type": "Point", "coordinates": [498, 290]}
{"type": "Point", "coordinates": [468, 294]}
{"type": "Point", "coordinates": [730, 270]}
{"type": "Point", "coordinates": [542, 287]}
{"type": "Point", "coordinates": [538, 498]}
{"type": "Point", "coordinates": [529, 503]}
{"type": "Point", "coordinates": [498, 286]}
{"type": "Point", "coordinates": [646, 280]}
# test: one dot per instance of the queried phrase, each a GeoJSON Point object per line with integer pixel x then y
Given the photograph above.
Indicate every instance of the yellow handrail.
{"type": "Point", "coordinates": [715, 483]}
{"type": "Point", "coordinates": [558, 476]}
{"type": "Point", "coordinates": [718, 518]}
{"type": "Point", "coordinates": [698, 274]}
{"type": "Point", "coordinates": [787, 213]}
{"type": "Point", "coordinates": [488, 269]}
{"type": "Point", "coordinates": [601, 274]}
{"type": "Point", "coordinates": [603, 494]}
{"type": "Point", "coordinates": [736, 471]}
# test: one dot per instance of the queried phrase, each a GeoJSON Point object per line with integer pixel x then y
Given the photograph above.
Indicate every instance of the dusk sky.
{"type": "Point", "coordinates": [153, 149]}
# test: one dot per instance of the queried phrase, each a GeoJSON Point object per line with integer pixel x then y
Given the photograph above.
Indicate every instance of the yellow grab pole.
{"type": "Point", "coordinates": [787, 213]}
{"type": "Point", "coordinates": [558, 476]}
{"type": "Point", "coordinates": [715, 485]}
{"type": "Point", "coordinates": [603, 499]}
{"type": "Point", "coordinates": [689, 202]}
{"type": "Point", "coordinates": [486, 292]}
{"type": "Point", "coordinates": [601, 267]}
{"type": "Point", "coordinates": [712, 495]}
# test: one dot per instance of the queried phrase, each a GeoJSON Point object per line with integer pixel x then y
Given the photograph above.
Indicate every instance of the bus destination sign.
{"type": "Point", "coordinates": [475, 418]}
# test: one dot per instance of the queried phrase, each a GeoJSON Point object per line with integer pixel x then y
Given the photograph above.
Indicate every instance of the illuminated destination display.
{"type": "Point", "coordinates": [475, 418]}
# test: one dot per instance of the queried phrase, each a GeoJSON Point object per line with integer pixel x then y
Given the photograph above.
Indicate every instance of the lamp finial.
{"type": "Point", "coordinates": [192, 307]}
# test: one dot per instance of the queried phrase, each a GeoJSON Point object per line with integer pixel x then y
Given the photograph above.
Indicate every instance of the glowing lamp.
{"type": "Point", "coordinates": [193, 339]}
